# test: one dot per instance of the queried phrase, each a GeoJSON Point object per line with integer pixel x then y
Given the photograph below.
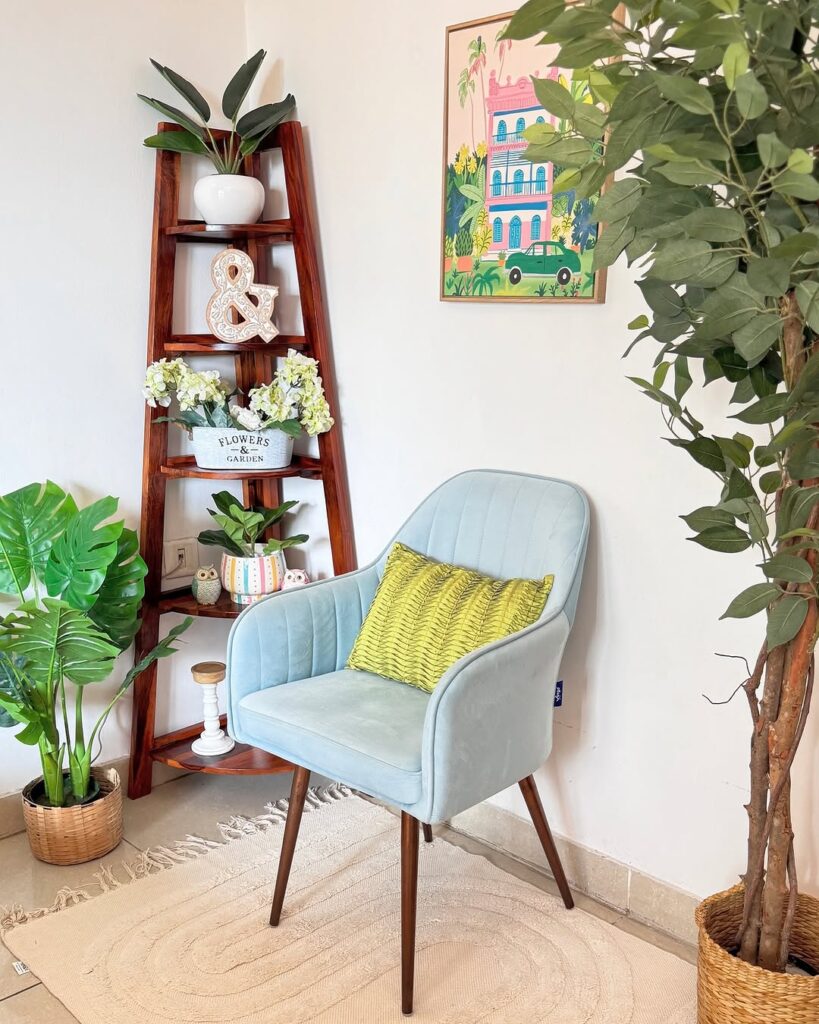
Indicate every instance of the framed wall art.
{"type": "Point", "coordinates": [506, 235]}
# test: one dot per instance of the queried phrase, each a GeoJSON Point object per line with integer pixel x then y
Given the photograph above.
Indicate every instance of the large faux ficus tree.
{"type": "Point", "coordinates": [709, 111]}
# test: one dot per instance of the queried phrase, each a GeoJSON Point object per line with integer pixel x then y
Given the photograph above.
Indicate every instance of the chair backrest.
{"type": "Point", "coordinates": [505, 525]}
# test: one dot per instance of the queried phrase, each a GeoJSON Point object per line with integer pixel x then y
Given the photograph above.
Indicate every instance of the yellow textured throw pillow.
{"type": "Point", "coordinates": [426, 615]}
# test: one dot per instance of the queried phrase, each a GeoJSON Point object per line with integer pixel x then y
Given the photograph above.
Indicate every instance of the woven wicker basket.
{"type": "Point", "coordinates": [72, 835]}
{"type": "Point", "coordinates": [729, 991]}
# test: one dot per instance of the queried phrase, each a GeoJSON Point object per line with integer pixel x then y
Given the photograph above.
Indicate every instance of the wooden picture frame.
{"type": "Point", "coordinates": [504, 203]}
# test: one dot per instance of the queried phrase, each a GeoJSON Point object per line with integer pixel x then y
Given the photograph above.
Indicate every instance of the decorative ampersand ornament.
{"type": "Point", "coordinates": [232, 272]}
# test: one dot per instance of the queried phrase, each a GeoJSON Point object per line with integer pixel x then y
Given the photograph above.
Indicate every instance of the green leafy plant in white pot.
{"type": "Point", "coordinates": [228, 196]}
{"type": "Point", "coordinates": [709, 109]}
{"type": "Point", "coordinates": [226, 435]}
{"type": "Point", "coordinates": [250, 569]}
{"type": "Point", "coordinates": [79, 583]}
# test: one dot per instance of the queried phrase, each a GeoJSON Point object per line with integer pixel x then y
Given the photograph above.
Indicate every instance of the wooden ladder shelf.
{"type": "Point", "coordinates": [254, 363]}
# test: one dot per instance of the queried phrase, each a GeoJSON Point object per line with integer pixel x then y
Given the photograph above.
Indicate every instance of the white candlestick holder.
{"type": "Point", "coordinates": [213, 741]}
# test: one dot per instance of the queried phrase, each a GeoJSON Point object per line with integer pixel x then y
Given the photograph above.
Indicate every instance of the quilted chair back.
{"type": "Point", "coordinates": [505, 525]}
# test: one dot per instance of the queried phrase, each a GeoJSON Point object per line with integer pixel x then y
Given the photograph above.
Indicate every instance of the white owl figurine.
{"type": "Point", "coordinates": [206, 586]}
{"type": "Point", "coordinates": [294, 578]}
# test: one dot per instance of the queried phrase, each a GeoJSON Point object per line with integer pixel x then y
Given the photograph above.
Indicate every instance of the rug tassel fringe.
{"type": "Point", "coordinates": [160, 858]}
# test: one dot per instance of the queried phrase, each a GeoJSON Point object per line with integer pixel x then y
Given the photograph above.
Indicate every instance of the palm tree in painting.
{"type": "Point", "coordinates": [502, 47]}
{"type": "Point", "coordinates": [465, 89]}
{"type": "Point", "coordinates": [477, 62]}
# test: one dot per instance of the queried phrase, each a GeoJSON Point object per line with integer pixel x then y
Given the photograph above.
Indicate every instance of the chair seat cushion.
{"type": "Point", "coordinates": [352, 726]}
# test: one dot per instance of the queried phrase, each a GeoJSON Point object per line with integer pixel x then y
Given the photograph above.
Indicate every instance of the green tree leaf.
{"type": "Point", "coordinates": [785, 619]}
{"type": "Point", "coordinates": [705, 451]}
{"type": "Point", "coordinates": [260, 122]}
{"type": "Point", "coordinates": [788, 568]}
{"type": "Point", "coordinates": [175, 114]}
{"type": "Point", "coordinates": [714, 224]}
{"type": "Point", "coordinates": [751, 96]}
{"type": "Point", "coordinates": [186, 90]}
{"type": "Point", "coordinates": [800, 161]}
{"type": "Point", "coordinates": [619, 201]}
{"type": "Point", "coordinates": [677, 258]}
{"type": "Point", "coordinates": [706, 517]}
{"type": "Point", "coordinates": [79, 558]}
{"type": "Point", "coordinates": [800, 186]}
{"type": "Point", "coordinates": [553, 97]}
{"type": "Point", "coordinates": [728, 539]}
{"type": "Point", "coordinates": [58, 639]}
{"type": "Point", "coordinates": [177, 142]}
{"type": "Point", "coordinates": [239, 86]}
{"type": "Point", "coordinates": [769, 276]}
{"type": "Point", "coordinates": [31, 519]}
{"type": "Point", "coordinates": [611, 243]}
{"type": "Point", "coordinates": [752, 600]}
{"type": "Point", "coordinates": [690, 172]}
{"type": "Point", "coordinates": [534, 16]}
{"type": "Point", "coordinates": [772, 151]}
{"type": "Point", "coordinates": [766, 410]}
{"type": "Point", "coordinates": [807, 295]}
{"type": "Point", "coordinates": [685, 92]}
{"type": "Point", "coordinates": [757, 336]}
{"type": "Point", "coordinates": [116, 610]}
{"type": "Point", "coordinates": [734, 63]}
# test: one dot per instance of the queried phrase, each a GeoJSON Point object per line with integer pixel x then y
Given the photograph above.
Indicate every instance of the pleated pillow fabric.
{"type": "Point", "coordinates": [426, 615]}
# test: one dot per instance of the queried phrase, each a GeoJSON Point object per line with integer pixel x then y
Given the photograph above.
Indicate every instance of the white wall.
{"type": "Point", "coordinates": [643, 768]}
{"type": "Point", "coordinates": [76, 199]}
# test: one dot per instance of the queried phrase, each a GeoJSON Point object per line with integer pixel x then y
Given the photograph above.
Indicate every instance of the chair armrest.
{"type": "Point", "coordinates": [489, 720]}
{"type": "Point", "coordinates": [298, 633]}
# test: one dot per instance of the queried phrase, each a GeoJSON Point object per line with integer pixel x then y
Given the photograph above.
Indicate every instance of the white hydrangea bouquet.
{"type": "Point", "coordinates": [226, 434]}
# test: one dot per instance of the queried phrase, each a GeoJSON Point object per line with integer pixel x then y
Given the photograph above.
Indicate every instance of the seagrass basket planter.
{"type": "Point", "coordinates": [729, 991]}
{"type": "Point", "coordinates": [73, 835]}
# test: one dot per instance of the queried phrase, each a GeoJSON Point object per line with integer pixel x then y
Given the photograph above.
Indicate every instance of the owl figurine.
{"type": "Point", "coordinates": [206, 586]}
{"type": "Point", "coordinates": [294, 578]}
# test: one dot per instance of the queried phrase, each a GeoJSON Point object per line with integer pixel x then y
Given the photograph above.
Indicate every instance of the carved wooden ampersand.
{"type": "Point", "coordinates": [232, 272]}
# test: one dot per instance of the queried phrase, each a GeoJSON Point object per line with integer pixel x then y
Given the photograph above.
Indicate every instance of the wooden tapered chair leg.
{"type": "Point", "coordinates": [409, 900]}
{"type": "Point", "coordinates": [532, 798]}
{"type": "Point", "coordinates": [427, 832]}
{"type": "Point", "coordinates": [298, 791]}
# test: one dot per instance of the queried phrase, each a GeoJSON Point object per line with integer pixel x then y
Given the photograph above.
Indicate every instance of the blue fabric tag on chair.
{"type": "Point", "coordinates": [559, 693]}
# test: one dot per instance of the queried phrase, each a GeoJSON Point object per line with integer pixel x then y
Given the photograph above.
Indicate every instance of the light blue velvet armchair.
{"type": "Point", "coordinates": [488, 723]}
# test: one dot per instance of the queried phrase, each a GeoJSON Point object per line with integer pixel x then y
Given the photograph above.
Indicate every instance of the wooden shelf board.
{"type": "Point", "coordinates": [184, 603]}
{"type": "Point", "coordinates": [208, 344]}
{"type": "Point", "coordinates": [184, 466]}
{"type": "Point", "coordinates": [242, 760]}
{"type": "Point", "coordinates": [270, 232]}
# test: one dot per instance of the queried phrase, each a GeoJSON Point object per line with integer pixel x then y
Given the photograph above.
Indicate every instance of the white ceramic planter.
{"type": "Point", "coordinates": [250, 579]}
{"type": "Point", "coordinates": [229, 448]}
{"type": "Point", "coordinates": [229, 198]}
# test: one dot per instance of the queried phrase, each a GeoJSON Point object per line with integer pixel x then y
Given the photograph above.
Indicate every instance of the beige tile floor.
{"type": "Point", "coordinates": [193, 805]}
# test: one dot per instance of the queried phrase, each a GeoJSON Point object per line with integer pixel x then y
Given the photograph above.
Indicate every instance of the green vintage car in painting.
{"type": "Point", "coordinates": [547, 259]}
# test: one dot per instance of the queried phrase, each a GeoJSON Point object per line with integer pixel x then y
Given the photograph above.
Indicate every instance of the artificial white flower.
{"type": "Point", "coordinates": [296, 392]}
{"type": "Point", "coordinates": [246, 418]}
{"type": "Point", "coordinates": [197, 388]}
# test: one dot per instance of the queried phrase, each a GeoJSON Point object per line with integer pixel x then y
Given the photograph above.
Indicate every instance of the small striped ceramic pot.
{"type": "Point", "coordinates": [249, 579]}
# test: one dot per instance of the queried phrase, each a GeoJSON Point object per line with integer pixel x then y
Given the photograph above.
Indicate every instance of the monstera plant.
{"type": "Point", "coordinates": [79, 582]}
{"type": "Point", "coordinates": [708, 111]}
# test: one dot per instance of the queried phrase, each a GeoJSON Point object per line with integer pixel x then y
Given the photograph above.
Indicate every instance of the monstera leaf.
{"type": "Point", "coordinates": [116, 610]}
{"type": "Point", "coordinates": [31, 519]}
{"type": "Point", "coordinates": [58, 640]}
{"type": "Point", "coordinates": [79, 559]}
{"type": "Point", "coordinates": [9, 693]}
{"type": "Point", "coordinates": [23, 702]}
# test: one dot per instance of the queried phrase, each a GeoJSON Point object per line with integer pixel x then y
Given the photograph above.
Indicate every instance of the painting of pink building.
{"type": "Point", "coordinates": [506, 234]}
{"type": "Point", "coordinates": [518, 192]}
